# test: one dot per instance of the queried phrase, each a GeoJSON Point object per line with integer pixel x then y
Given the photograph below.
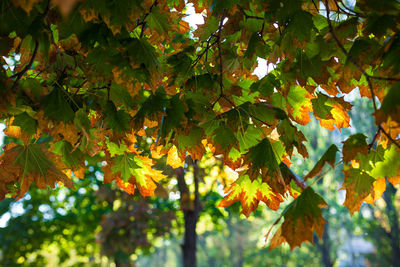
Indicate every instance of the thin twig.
{"type": "Point", "coordinates": [143, 21]}
{"type": "Point", "coordinates": [389, 137]}
{"type": "Point", "coordinates": [220, 55]}
{"type": "Point", "coordinates": [374, 138]}
{"type": "Point", "coordinates": [248, 16]}
{"type": "Point", "coordinates": [245, 111]}
{"type": "Point", "coordinates": [319, 177]}
{"type": "Point", "coordinates": [26, 68]}
{"type": "Point", "coordinates": [367, 76]}
{"type": "Point", "coordinates": [352, 60]}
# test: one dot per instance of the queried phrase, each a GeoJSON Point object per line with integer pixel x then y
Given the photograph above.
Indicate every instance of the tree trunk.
{"type": "Point", "coordinates": [324, 247]}
{"type": "Point", "coordinates": [191, 215]}
{"type": "Point", "coordinates": [393, 219]}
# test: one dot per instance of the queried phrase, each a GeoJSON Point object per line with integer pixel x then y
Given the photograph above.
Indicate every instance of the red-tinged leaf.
{"type": "Point", "coordinates": [40, 166]}
{"type": "Point", "coordinates": [302, 218]}
{"type": "Point", "coordinates": [330, 111]}
{"type": "Point", "coordinates": [130, 170]}
{"type": "Point", "coordinates": [292, 137]}
{"type": "Point", "coordinates": [300, 104]}
{"type": "Point", "coordinates": [358, 185]}
{"type": "Point", "coordinates": [250, 193]}
{"type": "Point", "coordinates": [328, 157]}
{"type": "Point", "coordinates": [261, 159]}
{"type": "Point", "coordinates": [378, 188]}
{"type": "Point", "coordinates": [9, 172]}
{"type": "Point", "coordinates": [354, 145]}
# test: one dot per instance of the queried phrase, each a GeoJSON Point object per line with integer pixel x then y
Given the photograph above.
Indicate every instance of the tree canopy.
{"type": "Point", "coordinates": [131, 85]}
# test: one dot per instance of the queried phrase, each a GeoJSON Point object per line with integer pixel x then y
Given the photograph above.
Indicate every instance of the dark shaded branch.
{"type": "Point", "coordinates": [26, 68]}
{"type": "Point", "coordinates": [245, 111]}
{"type": "Point", "coordinates": [248, 16]}
{"type": "Point", "coordinates": [374, 138]}
{"type": "Point", "coordinates": [143, 21]}
{"type": "Point", "coordinates": [389, 137]}
{"type": "Point", "coordinates": [220, 55]}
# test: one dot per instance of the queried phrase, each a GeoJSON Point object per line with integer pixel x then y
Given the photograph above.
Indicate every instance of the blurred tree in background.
{"type": "Point", "coordinates": [98, 225]}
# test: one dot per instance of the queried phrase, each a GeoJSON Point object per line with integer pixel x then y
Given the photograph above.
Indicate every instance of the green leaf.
{"type": "Point", "coordinates": [57, 107]}
{"type": "Point", "coordinates": [302, 217]}
{"type": "Point", "coordinates": [126, 165]}
{"type": "Point", "coordinates": [32, 159]}
{"type": "Point", "coordinates": [158, 21]}
{"type": "Point", "coordinates": [292, 137]}
{"type": "Point", "coordinates": [322, 106]}
{"type": "Point", "coordinates": [175, 113]}
{"type": "Point", "coordinates": [266, 85]}
{"type": "Point", "coordinates": [70, 157]}
{"type": "Point", "coordinates": [392, 100]}
{"type": "Point", "coordinates": [119, 95]}
{"type": "Point", "coordinates": [143, 53]}
{"type": "Point", "coordinates": [192, 139]}
{"type": "Point", "coordinates": [390, 166]}
{"type": "Point", "coordinates": [115, 149]}
{"type": "Point", "coordinates": [224, 137]}
{"type": "Point", "coordinates": [26, 122]}
{"type": "Point", "coordinates": [358, 185]}
{"type": "Point", "coordinates": [297, 99]}
{"type": "Point", "coordinates": [81, 120]}
{"type": "Point", "coordinates": [117, 120]}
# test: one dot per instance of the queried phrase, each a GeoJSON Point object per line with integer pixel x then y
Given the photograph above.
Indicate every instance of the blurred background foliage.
{"type": "Point", "coordinates": [99, 225]}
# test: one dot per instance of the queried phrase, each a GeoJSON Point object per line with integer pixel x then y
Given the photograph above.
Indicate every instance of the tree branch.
{"type": "Point", "coordinates": [221, 93]}
{"type": "Point", "coordinates": [26, 68]}
{"type": "Point", "coordinates": [367, 76]}
{"type": "Point", "coordinates": [248, 16]}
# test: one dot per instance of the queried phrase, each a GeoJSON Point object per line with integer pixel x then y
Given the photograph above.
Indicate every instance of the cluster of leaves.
{"type": "Point", "coordinates": [94, 76]}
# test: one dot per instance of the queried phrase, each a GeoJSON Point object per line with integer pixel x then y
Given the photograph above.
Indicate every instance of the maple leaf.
{"type": "Point", "coordinates": [9, 172]}
{"type": "Point", "coordinates": [132, 170]}
{"type": "Point", "coordinates": [57, 107]}
{"type": "Point", "coordinates": [250, 193]}
{"type": "Point", "coordinates": [299, 101]}
{"type": "Point", "coordinates": [116, 119]}
{"type": "Point", "coordinates": [389, 166]}
{"type": "Point", "coordinates": [173, 158]}
{"type": "Point", "coordinates": [330, 111]}
{"type": "Point", "coordinates": [262, 160]}
{"type": "Point", "coordinates": [26, 122]}
{"type": "Point", "coordinates": [353, 145]}
{"type": "Point", "coordinates": [292, 137]}
{"type": "Point", "coordinates": [37, 166]}
{"type": "Point", "coordinates": [301, 218]}
{"type": "Point", "coordinates": [358, 185]}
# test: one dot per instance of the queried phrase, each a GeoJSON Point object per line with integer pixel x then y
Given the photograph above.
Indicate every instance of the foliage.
{"type": "Point", "coordinates": [94, 77]}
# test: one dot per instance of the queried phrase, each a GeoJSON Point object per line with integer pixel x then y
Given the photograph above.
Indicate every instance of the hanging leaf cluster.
{"type": "Point", "coordinates": [90, 78]}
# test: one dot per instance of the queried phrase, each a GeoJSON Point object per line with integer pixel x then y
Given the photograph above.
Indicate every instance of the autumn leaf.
{"type": "Point", "coordinates": [302, 218]}
{"type": "Point", "coordinates": [300, 103]}
{"type": "Point", "coordinates": [250, 193]}
{"type": "Point", "coordinates": [130, 170]}
{"type": "Point", "coordinates": [330, 111]}
{"type": "Point", "coordinates": [354, 145]}
{"type": "Point", "coordinates": [358, 185]}
{"type": "Point", "coordinates": [262, 160]}
{"type": "Point", "coordinates": [173, 158]}
{"type": "Point", "coordinates": [36, 166]}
